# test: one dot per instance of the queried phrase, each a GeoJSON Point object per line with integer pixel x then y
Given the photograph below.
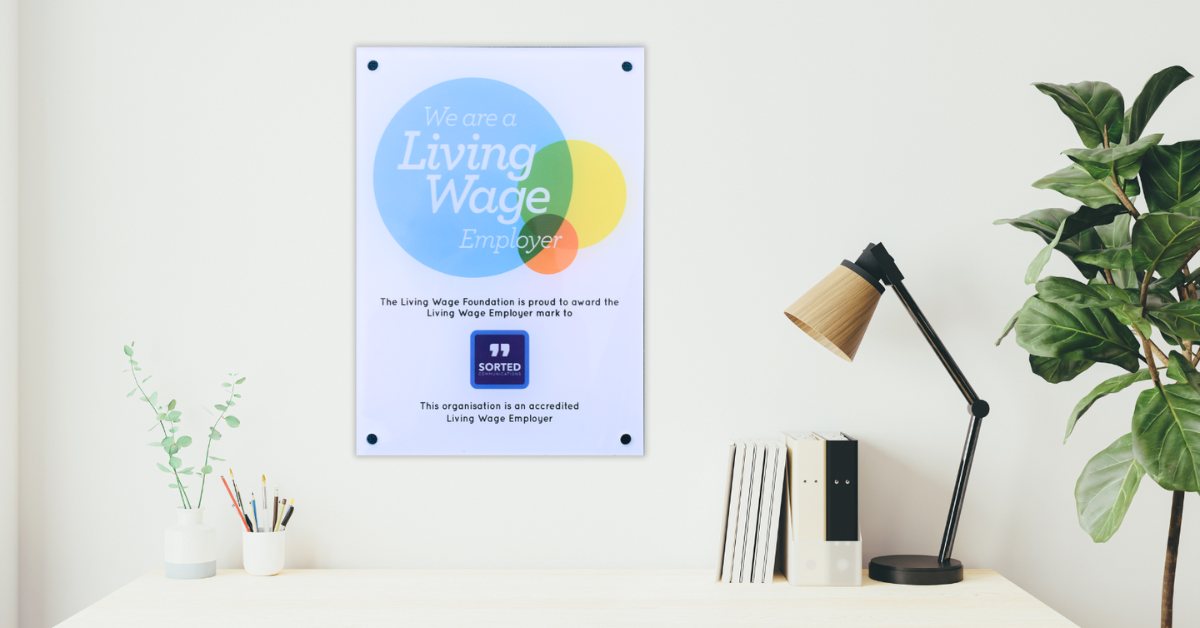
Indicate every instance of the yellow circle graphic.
{"type": "Point", "coordinates": [598, 194]}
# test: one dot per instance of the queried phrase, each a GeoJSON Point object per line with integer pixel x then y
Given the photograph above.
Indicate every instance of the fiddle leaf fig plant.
{"type": "Point", "coordinates": [1135, 305]}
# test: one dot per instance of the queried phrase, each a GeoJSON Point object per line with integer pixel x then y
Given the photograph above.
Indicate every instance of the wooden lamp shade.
{"type": "Point", "coordinates": [836, 311]}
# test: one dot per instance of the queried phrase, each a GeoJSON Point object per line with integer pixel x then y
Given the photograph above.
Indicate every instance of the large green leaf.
{"type": "Point", "coordinates": [1048, 222]}
{"type": "Point", "coordinates": [1182, 371]}
{"type": "Point", "coordinates": [1071, 332]}
{"type": "Point", "coordinates": [1164, 285]}
{"type": "Point", "coordinates": [1189, 207]}
{"type": "Point", "coordinates": [1180, 319]}
{"type": "Point", "coordinates": [1105, 488]}
{"type": "Point", "coordinates": [1075, 182]}
{"type": "Point", "coordinates": [1064, 290]}
{"type": "Point", "coordinates": [1078, 234]}
{"type": "Point", "coordinates": [1153, 94]}
{"type": "Point", "coordinates": [1171, 175]}
{"type": "Point", "coordinates": [1115, 235]}
{"type": "Point", "coordinates": [1166, 436]}
{"type": "Point", "coordinates": [1121, 161]}
{"type": "Point", "coordinates": [1113, 293]}
{"type": "Point", "coordinates": [1092, 106]}
{"type": "Point", "coordinates": [1162, 241]}
{"type": "Point", "coordinates": [1056, 371]}
{"type": "Point", "coordinates": [1120, 257]}
{"type": "Point", "coordinates": [1043, 257]}
{"type": "Point", "coordinates": [1106, 387]}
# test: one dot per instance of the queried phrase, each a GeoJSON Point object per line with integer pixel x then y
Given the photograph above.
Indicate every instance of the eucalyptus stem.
{"type": "Point", "coordinates": [204, 476]}
{"type": "Point", "coordinates": [183, 497]}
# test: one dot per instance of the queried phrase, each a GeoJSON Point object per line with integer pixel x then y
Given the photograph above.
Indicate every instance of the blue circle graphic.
{"type": "Point", "coordinates": [450, 174]}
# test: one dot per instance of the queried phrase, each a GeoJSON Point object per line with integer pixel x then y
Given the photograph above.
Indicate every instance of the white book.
{"type": "Point", "coordinates": [729, 510]}
{"type": "Point", "coordinates": [769, 513]}
{"type": "Point", "coordinates": [747, 534]}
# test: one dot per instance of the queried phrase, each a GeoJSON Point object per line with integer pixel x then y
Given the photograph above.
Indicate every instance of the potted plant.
{"type": "Point", "coordinates": [1136, 307]}
{"type": "Point", "coordinates": [189, 551]}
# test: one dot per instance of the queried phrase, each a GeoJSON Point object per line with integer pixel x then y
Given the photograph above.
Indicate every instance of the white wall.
{"type": "Point", "coordinates": [187, 182]}
{"type": "Point", "coordinates": [8, 313]}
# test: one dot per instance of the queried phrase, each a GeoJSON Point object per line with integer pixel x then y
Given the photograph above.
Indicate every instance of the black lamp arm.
{"type": "Point", "coordinates": [876, 260]}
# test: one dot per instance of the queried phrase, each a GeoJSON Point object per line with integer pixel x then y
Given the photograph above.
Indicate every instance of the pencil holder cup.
{"type": "Point", "coordinates": [262, 552]}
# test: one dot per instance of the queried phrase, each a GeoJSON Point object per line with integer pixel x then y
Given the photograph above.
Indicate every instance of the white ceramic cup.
{"type": "Point", "coordinates": [262, 552]}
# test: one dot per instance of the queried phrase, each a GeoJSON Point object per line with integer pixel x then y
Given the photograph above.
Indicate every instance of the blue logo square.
{"type": "Point", "coordinates": [499, 359]}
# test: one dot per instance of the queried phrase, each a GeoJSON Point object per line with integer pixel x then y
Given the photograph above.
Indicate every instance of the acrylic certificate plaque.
{"type": "Point", "coordinates": [499, 301]}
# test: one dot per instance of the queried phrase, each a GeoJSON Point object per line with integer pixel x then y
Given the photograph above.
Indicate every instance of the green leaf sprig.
{"type": "Point", "coordinates": [168, 420]}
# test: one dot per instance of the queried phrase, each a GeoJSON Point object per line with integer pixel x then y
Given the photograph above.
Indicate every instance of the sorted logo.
{"type": "Point", "coordinates": [499, 359]}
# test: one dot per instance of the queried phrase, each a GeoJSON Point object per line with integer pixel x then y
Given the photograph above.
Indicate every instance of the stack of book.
{"type": "Point", "coordinates": [754, 506]}
{"type": "Point", "coordinates": [797, 498]}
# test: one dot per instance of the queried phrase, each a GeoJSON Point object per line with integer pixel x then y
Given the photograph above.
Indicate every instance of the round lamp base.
{"type": "Point", "coordinates": [912, 569]}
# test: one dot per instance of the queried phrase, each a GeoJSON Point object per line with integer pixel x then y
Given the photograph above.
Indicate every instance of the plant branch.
{"type": "Point", "coordinates": [204, 476]}
{"type": "Point", "coordinates": [1145, 289]}
{"type": "Point", "coordinates": [178, 483]}
{"type": "Point", "coordinates": [1117, 184]}
{"type": "Point", "coordinates": [1190, 255]}
{"type": "Point", "coordinates": [1124, 199]}
{"type": "Point", "coordinates": [1152, 351]}
{"type": "Point", "coordinates": [1146, 344]}
{"type": "Point", "coordinates": [1162, 357]}
{"type": "Point", "coordinates": [1168, 590]}
{"type": "Point", "coordinates": [1182, 291]}
{"type": "Point", "coordinates": [1149, 358]}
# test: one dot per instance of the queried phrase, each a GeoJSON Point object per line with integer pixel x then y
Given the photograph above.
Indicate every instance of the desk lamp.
{"type": "Point", "coordinates": [836, 313]}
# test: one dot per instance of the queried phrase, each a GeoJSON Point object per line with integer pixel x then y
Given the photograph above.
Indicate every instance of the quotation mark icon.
{"type": "Point", "coordinates": [498, 349]}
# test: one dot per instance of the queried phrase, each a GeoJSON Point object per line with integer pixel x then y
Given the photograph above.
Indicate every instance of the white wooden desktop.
{"type": "Point", "coordinates": [567, 598]}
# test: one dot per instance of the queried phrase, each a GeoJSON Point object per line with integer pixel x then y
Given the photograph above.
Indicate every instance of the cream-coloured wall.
{"type": "Point", "coordinates": [8, 313]}
{"type": "Point", "coordinates": [187, 182]}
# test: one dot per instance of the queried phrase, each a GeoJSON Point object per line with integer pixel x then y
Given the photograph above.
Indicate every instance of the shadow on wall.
{"type": "Point", "coordinates": [895, 500]}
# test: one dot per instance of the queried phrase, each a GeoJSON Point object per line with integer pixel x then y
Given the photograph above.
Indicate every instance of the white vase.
{"type": "Point", "coordinates": [262, 552]}
{"type": "Point", "coordinates": [190, 549]}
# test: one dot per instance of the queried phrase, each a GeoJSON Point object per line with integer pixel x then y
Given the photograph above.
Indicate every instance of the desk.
{"type": "Point", "coordinates": [328, 598]}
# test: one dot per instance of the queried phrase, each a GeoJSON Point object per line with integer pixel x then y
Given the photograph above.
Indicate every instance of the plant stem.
{"type": "Point", "coordinates": [1148, 346]}
{"type": "Point", "coordinates": [1145, 290]}
{"type": "Point", "coordinates": [1124, 199]}
{"type": "Point", "coordinates": [204, 476]}
{"type": "Point", "coordinates": [1117, 186]}
{"type": "Point", "coordinates": [1168, 590]}
{"type": "Point", "coordinates": [1149, 358]}
{"type": "Point", "coordinates": [178, 483]}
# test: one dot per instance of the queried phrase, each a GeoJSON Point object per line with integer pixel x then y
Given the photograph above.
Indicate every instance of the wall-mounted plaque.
{"type": "Point", "coordinates": [499, 251]}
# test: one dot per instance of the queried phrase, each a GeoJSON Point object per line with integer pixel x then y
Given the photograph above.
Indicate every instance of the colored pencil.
{"type": "Point", "coordinates": [275, 512]}
{"type": "Point", "coordinates": [241, 515]}
{"type": "Point", "coordinates": [254, 508]}
{"type": "Point", "coordinates": [241, 504]}
{"type": "Point", "coordinates": [237, 491]}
